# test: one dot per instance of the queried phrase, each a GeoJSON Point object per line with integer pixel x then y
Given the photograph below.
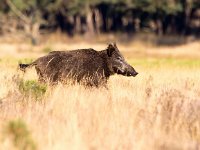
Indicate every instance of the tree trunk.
{"type": "Point", "coordinates": [89, 20]}
{"type": "Point", "coordinates": [188, 10]}
{"type": "Point", "coordinates": [35, 33]}
{"type": "Point", "coordinates": [32, 31]}
{"type": "Point", "coordinates": [159, 27]}
{"type": "Point", "coordinates": [77, 23]}
{"type": "Point", "coordinates": [98, 20]}
{"type": "Point", "coordinates": [137, 22]}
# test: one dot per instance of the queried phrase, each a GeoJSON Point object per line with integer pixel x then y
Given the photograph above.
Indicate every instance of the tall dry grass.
{"type": "Point", "coordinates": [158, 109]}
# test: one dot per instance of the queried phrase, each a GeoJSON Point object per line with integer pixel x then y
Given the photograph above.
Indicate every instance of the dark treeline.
{"type": "Point", "coordinates": [181, 17]}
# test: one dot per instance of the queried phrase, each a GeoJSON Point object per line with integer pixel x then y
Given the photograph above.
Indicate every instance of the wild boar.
{"type": "Point", "coordinates": [85, 66]}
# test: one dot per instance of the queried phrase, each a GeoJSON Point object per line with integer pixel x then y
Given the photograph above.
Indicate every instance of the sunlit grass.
{"type": "Point", "coordinates": [158, 109]}
{"type": "Point", "coordinates": [165, 62]}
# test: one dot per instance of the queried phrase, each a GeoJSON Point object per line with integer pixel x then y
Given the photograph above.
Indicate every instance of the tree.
{"type": "Point", "coordinates": [95, 16]}
{"type": "Point", "coordinates": [30, 12]}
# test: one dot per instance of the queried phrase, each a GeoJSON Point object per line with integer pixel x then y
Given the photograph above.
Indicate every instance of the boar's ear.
{"type": "Point", "coordinates": [110, 50]}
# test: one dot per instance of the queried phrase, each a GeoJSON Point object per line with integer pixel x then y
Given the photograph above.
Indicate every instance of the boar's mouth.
{"type": "Point", "coordinates": [125, 73]}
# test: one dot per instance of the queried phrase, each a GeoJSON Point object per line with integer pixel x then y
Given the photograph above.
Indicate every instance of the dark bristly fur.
{"type": "Point", "coordinates": [23, 66]}
{"type": "Point", "coordinates": [85, 66]}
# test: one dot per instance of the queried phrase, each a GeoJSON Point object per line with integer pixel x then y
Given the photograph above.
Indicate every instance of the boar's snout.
{"type": "Point", "coordinates": [127, 71]}
{"type": "Point", "coordinates": [130, 71]}
{"type": "Point", "coordinates": [132, 74]}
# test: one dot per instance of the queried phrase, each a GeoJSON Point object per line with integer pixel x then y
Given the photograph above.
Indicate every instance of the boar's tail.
{"type": "Point", "coordinates": [23, 67]}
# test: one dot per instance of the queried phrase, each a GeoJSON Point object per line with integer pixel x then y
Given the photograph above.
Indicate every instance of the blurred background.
{"type": "Point", "coordinates": [159, 109]}
{"type": "Point", "coordinates": [80, 17]}
{"type": "Point", "coordinates": [147, 22]}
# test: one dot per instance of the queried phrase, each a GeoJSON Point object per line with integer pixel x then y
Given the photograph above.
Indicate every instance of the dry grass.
{"type": "Point", "coordinates": [133, 48]}
{"type": "Point", "coordinates": [159, 109]}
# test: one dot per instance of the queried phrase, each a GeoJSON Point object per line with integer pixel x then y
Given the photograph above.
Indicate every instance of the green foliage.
{"type": "Point", "coordinates": [24, 4]}
{"type": "Point", "coordinates": [32, 88]}
{"type": "Point", "coordinates": [157, 6]}
{"type": "Point", "coordinates": [47, 49]}
{"type": "Point", "coordinates": [165, 62]}
{"type": "Point", "coordinates": [63, 13]}
{"type": "Point", "coordinates": [26, 60]}
{"type": "Point", "coordinates": [20, 134]}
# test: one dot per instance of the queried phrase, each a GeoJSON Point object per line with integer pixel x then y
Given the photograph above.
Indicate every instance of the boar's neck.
{"type": "Point", "coordinates": [104, 55]}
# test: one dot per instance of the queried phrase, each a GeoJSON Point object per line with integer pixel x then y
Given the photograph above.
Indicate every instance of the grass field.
{"type": "Point", "coordinates": [158, 109]}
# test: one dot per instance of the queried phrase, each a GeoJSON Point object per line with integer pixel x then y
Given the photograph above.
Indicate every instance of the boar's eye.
{"type": "Point", "coordinates": [118, 58]}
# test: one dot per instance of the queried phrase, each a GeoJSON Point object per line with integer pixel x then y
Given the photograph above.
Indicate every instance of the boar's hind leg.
{"type": "Point", "coordinates": [40, 76]}
{"type": "Point", "coordinates": [54, 78]}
